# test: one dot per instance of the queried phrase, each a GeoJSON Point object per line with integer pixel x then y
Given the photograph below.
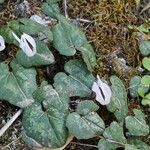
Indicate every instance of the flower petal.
{"type": "Point", "coordinates": [99, 97]}
{"type": "Point", "coordinates": [103, 91]}
{"type": "Point", "coordinates": [16, 37]}
{"type": "Point", "coordinates": [2, 43]}
{"type": "Point", "coordinates": [28, 45]}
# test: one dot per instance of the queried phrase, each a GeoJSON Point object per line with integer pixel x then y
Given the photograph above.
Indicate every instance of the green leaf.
{"type": "Point", "coordinates": [46, 128]}
{"type": "Point", "coordinates": [57, 97]}
{"type": "Point", "coordinates": [68, 38]}
{"type": "Point", "coordinates": [145, 80]}
{"type": "Point", "coordinates": [136, 88]}
{"type": "Point", "coordinates": [87, 106]}
{"type": "Point", "coordinates": [6, 33]}
{"type": "Point", "coordinates": [130, 147]}
{"type": "Point", "coordinates": [85, 124]}
{"type": "Point", "coordinates": [139, 144]}
{"type": "Point", "coordinates": [29, 26]}
{"type": "Point", "coordinates": [51, 9]}
{"type": "Point", "coordinates": [146, 100]}
{"type": "Point", "coordinates": [113, 137]}
{"type": "Point", "coordinates": [18, 85]}
{"type": "Point", "coordinates": [88, 55]}
{"type": "Point", "coordinates": [136, 124]}
{"type": "Point", "coordinates": [146, 63]}
{"type": "Point", "coordinates": [42, 57]}
{"type": "Point", "coordinates": [141, 92]}
{"type": "Point", "coordinates": [135, 83]}
{"type": "Point", "coordinates": [79, 81]}
{"type": "Point", "coordinates": [44, 121]}
{"type": "Point", "coordinates": [144, 47]}
{"type": "Point", "coordinates": [118, 103]}
{"type": "Point", "coordinates": [103, 144]}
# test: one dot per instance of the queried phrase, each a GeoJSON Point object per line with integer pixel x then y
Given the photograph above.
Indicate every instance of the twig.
{"type": "Point", "coordinates": [10, 122]}
{"type": "Point", "coordinates": [87, 145]}
{"type": "Point", "coordinates": [65, 8]}
{"type": "Point", "coordinates": [83, 20]}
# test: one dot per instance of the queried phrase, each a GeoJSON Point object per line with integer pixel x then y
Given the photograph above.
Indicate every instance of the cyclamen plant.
{"type": "Point", "coordinates": [46, 120]}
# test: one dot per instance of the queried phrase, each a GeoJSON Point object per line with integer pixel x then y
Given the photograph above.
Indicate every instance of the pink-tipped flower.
{"type": "Point", "coordinates": [27, 44]}
{"type": "Point", "coordinates": [2, 43]}
{"type": "Point", "coordinates": [102, 91]}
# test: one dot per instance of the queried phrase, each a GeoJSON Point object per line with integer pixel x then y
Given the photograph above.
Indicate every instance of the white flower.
{"type": "Point", "coordinates": [27, 44]}
{"type": "Point", "coordinates": [2, 43]}
{"type": "Point", "coordinates": [102, 91]}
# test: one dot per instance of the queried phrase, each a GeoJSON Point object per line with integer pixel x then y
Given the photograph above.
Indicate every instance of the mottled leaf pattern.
{"type": "Point", "coordinates": [18, 85]}
{"type": "Point", "coordinates": [118, 103]}
{"type": "Point", "coordinates": [135, 84]}
{"type": "Point", "coordinates": [113, 137]}
{"type": "Point", "coordinates": [85, 124]}
{"type": "Point", "coordinates": [78, 81]}
{"type": "Point", "coordinates": [44, 121]}
{"type": "Point", "coordinates": [68, 38]}
{"type": "Point", "coordinates": [42, 57]}
{"type": "Point", "coordinates": [136, 124]}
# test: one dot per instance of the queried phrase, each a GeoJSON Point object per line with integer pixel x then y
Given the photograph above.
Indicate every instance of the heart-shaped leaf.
{"type": "Point", "coordinates": [113, 137]}
{"type": "Point", "coordinates": [42, 57]}
{"type": "Point", "coordinates": [68, 38]}
{"type": "Point", "coordinates": [17, 85]}
{"type": "Point", "coordinates": [136, 124]}
{"type": "Point", "coordinates": [79, 81]}
{"type": "Point", "coordinates": [44, 121]}
{"type": "Point", "coordinates": [118, 103]}
{"type": "Point", "coordinates": [85, 123]}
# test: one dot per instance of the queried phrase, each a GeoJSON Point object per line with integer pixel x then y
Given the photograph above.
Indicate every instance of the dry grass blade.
{"type": "Point", "coordinates": [10, 122]}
